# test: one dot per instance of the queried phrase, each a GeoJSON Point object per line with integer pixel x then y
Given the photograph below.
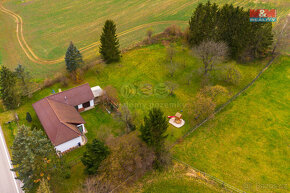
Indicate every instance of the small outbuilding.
{"type": "Point", "coordinates": [97, 92]}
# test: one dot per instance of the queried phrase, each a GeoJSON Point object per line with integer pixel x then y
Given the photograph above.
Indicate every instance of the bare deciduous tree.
{"type": "Point", "coordinates": [173, 30]}
{"type": "Point", "coordinates": [126, 117]}
{"type": "Point", "coordinates": [281, 35]}
{"type": "Point", "coordinates": [189, 77]}
{"type": "Point", "coordinates": [110, 97]}
{"type": "Point", "coordinates": [172, 69]}
{"type": "Point", "coordinates": [211, 53]}
{"type": "Point", "coordinates": [170, 55]}
{"type": "Point", "coordinates": [95, 184]}
{"type": "Point", "coordinates": [171, 87]}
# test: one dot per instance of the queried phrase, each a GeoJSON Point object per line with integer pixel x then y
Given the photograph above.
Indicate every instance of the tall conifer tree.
{"type": "Point", "coordinates": [153, 131]}
{"type": "Point", "coordinates": [96, 152]}
{"type": "Point", "coordinates": [34, 158]}
{"type": "Point", "coordinates": [109, 48]}
{"type": "Point", "coordinates": [28, 151]}
{"type": "Point", "coordinates": [73, 58]}
{"type": "Point", "coordinates": [202, 25]}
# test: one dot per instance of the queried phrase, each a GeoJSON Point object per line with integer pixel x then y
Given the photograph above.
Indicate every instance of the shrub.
{"type": "Point", "coordinates": [34, 127]}
{"type": "Point", "coordinates": [173, 31]}
{"type": "Point", "coordinates": [28, 117]}
{"type": "Point", "coordinates": [95, 184]}
{"type": "Point", "coordinates": [43, 187]}
{"type": "Point", "coordinates": [201, 107]}
{"type": "Point", "coordinates": [214, 92]}
{"type": "Point", "coordinates": [63, 81]}
{"type": "Point", "coordinates": [57, 77]}
{"type": "Point", "coordinates": [232, 75]}
{"type": "Point", "coordinates": [48, 82]}
{"type": "Point", "coordinates": [129, 156]}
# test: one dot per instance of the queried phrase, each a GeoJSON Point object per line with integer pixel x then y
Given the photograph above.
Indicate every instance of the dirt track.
{"type": "Point", "coordinates": [34, 58]}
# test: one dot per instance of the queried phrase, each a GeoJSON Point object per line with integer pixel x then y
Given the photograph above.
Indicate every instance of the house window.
{"type": "Point", "coordinates": [80, 128]}
{"type": "Point", "coordinates": [87, 104]}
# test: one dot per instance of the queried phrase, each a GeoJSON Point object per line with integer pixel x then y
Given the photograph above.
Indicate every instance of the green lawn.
{"type": "Point", "coordinates": [175, 180]}
{"type": "Point", "coordinates": [96, 121]}
{"type": "Point", "coordinates": [49, 25]}
{"type": "Point", "coordinates": [247, 145]}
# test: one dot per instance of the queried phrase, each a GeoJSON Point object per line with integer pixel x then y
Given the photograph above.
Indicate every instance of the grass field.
{"type": "Point", "coordinates": [247, 145]}
{"type": "Point", "coordinates": [49, 25]}
{"type": "Point", "coordinates": [150, 70]}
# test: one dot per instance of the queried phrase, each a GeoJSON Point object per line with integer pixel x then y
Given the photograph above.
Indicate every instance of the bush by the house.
{"type": "Point", "coordinates": [28, 117]}
{"type": "Point", "coordinates": [129, 157]}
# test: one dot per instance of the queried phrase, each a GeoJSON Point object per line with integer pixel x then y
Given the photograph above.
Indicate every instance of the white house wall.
{"type": "Point", "coordinates": [69, 144]}
{"type": "Point", "coordinates": [92, 103]}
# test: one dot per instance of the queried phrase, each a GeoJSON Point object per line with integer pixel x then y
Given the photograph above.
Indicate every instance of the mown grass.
{"type": "Point", "coordinates": [144, 66]}
{"type": "Point", "coordinates": [10, 51]}
{"type": "Point", "coordinates": [49, 25]}
{"type": "Point", "coordinates": [247, 145]}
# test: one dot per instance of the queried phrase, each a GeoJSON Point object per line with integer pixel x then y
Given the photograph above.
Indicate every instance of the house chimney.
{"type": "Point", "coordinates": [59, 90]}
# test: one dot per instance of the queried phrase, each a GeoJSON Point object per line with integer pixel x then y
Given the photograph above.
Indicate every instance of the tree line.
{"type": "Point", "coordinates": [230, 25]}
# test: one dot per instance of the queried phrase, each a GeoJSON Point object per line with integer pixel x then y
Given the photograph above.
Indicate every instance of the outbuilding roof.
{"type": "Point", "coordinates": [97, 91]}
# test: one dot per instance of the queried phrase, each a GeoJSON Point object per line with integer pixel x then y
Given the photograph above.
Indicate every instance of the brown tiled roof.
{"type": "Point", "coordinates": [59, 117]}
{"type": "Point", "coordinates": [75, 96]}
{"type": "Point", "coordinates": [66, 113]}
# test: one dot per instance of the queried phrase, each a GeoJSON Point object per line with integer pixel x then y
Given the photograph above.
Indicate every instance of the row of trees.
{"type": "Point", "coordinates": [14, 85]}
{"type": "Point", "coordinates": [231, 25]}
